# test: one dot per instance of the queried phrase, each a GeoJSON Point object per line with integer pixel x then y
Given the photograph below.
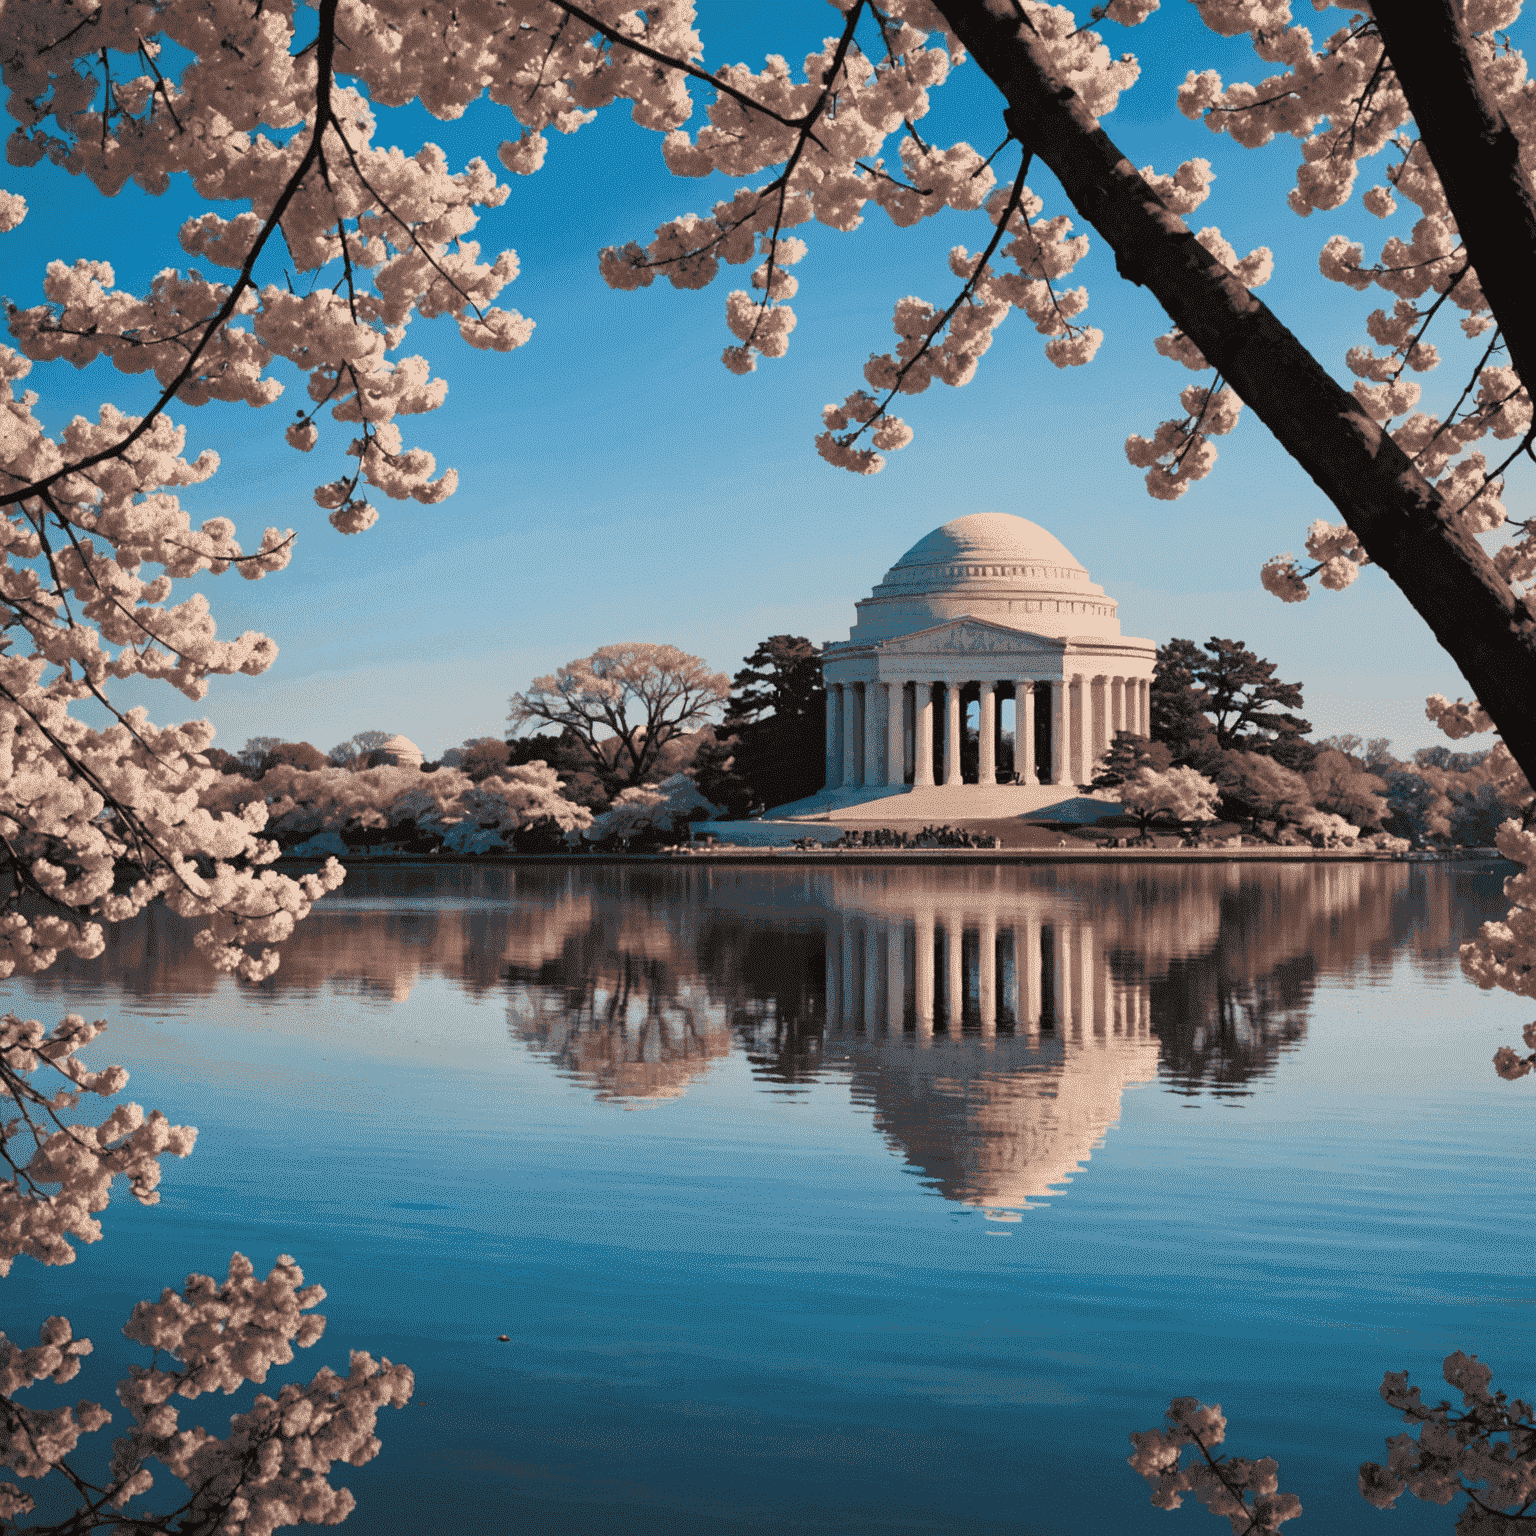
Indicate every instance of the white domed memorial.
{"type": "Point", "coordinates": [989, 608]}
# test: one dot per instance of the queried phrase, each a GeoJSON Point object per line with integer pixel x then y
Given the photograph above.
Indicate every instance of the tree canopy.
{"type": "Point", "coordinates": [623, 705]}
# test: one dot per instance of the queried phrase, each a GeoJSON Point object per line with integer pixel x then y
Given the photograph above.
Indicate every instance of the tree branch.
{"type": "Point", "coordinates": [1477, 156]}
{"type": "Point", "coordinates": [1396, 514]}
{"type": "Point", "coordinates": [324, 53]}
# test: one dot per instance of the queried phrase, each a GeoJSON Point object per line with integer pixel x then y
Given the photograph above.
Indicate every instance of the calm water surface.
{"type": "Point", "coordinates": [868, 1199]}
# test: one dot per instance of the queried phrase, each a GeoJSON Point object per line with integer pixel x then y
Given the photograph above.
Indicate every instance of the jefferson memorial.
{"type": "Point", "coordinates": [988, 609]}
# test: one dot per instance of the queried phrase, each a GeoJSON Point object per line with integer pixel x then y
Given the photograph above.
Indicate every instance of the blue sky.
{"type": "Point", "coordinates": [616, 483]}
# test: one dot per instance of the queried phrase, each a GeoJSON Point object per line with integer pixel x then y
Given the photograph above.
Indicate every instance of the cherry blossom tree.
{"type": "Point", "coordinates": [352, 752]}
{"type": "Point", "coordinates": [1181, 795]}
{"type": "Point", "coordinates": [452, 808]}
{"type": "Point", "coordinates": [623, 704]}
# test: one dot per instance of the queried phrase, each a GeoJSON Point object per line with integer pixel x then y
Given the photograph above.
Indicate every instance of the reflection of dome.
{"type": "Point", "coordinates": [999, 1124]}
{"type": "Point", "coordinates": [990, 565]}
{"type": "Point", "coordinates": [402, 752]}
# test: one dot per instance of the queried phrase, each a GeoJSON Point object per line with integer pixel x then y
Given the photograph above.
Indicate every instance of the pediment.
{"type": "Point", "coordinates": [971, 637]}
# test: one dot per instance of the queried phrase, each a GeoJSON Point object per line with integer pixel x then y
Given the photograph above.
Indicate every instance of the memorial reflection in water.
{"type": "Point", "coordinates": [991, 1017]}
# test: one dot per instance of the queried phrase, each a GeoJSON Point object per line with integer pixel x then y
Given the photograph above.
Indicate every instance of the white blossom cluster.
{"type": "Point", "coordinates": [826, 133]}
{"type": "Point", "coordinates": [1183, 794]}
{"type": "Point", "coordinates": [1044, 251]}
{"type": "Point", "coordinates": [1503, 954]}
{"type": "Point", "coordinates": [272, 1468]}
{"type": "Point", "coordinates": [1245, 1492]}
{"type": "Point", "coordinates": [82, 1160]}
{"type": "Point", "coordinates": [258, 114]}
{"type": "Point", "coordinates": [1481, 1451]}
{"type": "Point", "coordinates": [1343, 103]}
{"type": "Point", "coordinates": [98, 823]}
{"type": "Point", "coordinates": [1339, 556]}
{"type": "Point", "coordinates": [650, 807]}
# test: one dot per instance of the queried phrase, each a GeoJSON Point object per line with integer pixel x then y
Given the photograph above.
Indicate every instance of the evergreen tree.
{"type": "Point", "coordinates": [1178, 703]}
{"type": "Point", "coordinates": [1244, 699]}
{"type": "Point", "coordinates": [770, 747]}
{"type": "Point", "coordinates": [1222, 697]}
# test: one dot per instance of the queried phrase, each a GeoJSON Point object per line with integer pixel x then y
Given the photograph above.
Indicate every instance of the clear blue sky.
{"type": "Point", "coordinates": [616, 483]}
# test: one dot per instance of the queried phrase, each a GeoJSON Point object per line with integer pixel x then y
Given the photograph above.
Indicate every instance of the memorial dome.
{"type": "Point", "coordinates": [402, 752]}
{"type": "Point", "coordinates": [988, 565]}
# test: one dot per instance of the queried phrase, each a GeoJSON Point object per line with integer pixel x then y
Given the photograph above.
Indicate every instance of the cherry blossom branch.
{"type": "Point", "coordinates": [325, 51]}
{"type": "Point", "coordinates": [668, 62]}
{"type": "Point", "coordinates": [1015, 197]}
{"type": "Point", "coordinates": [1193, 429]}
{"type": "Point", "coordinates": [1429, 315]}
{"type": "Point", "coordinates": [1492, 347]}
{"type": "Point", "coordinates": [829, 79]}
{"type": "Point", "coordinates": [415, 241]}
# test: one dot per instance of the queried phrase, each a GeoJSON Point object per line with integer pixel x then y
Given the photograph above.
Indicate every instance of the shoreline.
{"type": "Point", "coordinates": [823, 856]}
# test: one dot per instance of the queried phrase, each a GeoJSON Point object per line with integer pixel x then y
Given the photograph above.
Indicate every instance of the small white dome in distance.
{"type": "Point", "coordinates": [402, 752]}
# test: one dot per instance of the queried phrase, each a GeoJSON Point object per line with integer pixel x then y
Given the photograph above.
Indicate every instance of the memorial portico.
{"type": "Point", "coordinates": [988, 609]}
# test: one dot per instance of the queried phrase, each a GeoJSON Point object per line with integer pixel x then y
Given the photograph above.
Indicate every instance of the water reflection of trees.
{"type": "Point", "coordinates": [606, 989]}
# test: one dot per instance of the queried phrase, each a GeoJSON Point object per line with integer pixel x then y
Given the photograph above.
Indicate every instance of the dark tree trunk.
{"type": "Point", "coordinates": [1397, 515]}
{"type": "Point", "coordinates": [1477, 156]}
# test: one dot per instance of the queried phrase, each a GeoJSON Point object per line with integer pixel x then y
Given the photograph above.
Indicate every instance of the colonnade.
{"type": "Point", "coordinates": [976, 973]}
{"type": "Point", "coordinates": [882, 733]}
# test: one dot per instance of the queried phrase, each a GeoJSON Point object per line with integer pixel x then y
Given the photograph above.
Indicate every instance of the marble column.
{"type": "Point", "coordinates": [853, 736]}
{"type": "Point", "coordinates": [1061, 733]}
{"type": "Point", "coordinates": [1098, 722]}
{"type": "Point", "coordinates": [834, 735]}
{"type": "Point", "coordinates": [1145, 687]}
{"type": "Point", "coordinates": [1082, 720]}
{"type": "Point", "coordinates": [1117, 707]}
{"type": "Point", "coordinates": [922, 735]}
{"type": "Point", "coordinates": [1024, 732]}
{"type": "Point", "coordinates": [987, 733]}
{"type": "Point", "coordinates": [952, 732]}
{"type": "Point", "coordinates": [895, 738]}
{"type": "Point", "coordinates": [873, 733]}
{"type": "Point", "coordinates": [922, 977]}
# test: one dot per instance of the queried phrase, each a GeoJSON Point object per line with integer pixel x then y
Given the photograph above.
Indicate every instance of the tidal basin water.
{"type": "Point", "coordinates": [858, 1199]}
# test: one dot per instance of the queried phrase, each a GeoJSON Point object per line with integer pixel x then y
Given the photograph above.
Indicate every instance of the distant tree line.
{"type": "Point", "coordinates": [630, 716]}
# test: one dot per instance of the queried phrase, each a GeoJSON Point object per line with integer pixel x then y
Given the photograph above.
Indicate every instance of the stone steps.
{"type": "Point", "coordinates": [944, 804]}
